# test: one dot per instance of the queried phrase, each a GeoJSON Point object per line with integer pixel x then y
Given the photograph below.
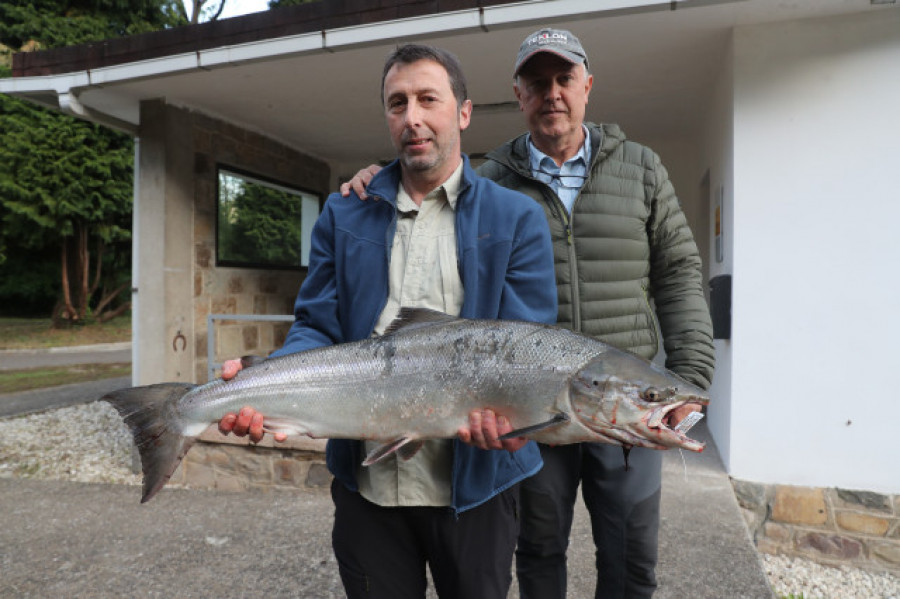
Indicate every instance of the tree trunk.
{"type": "Point", "coordinates": [98, 266]}
{"type": "Point", "coordinates": [105, 301]}
{"type": "Point", "coordinates": [84, 269]}
{"type": "Point", "coordinates": [69, 314]}
{"type": "Point", "coordinates": [81, 281]}
{"type": "Point", "coordinates": [117, 312]}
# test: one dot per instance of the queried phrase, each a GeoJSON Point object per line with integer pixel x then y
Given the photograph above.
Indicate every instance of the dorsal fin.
{"type": "Point", "coordinates": [414, 318]}
{"type": "Point", "coordinates": [248, 361]}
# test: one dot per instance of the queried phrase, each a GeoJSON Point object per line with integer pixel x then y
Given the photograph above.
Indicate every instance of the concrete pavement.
{"type": "Point", "coordinates": [94, 540]}
{"type": "Point", "coordinates": [103, 353]}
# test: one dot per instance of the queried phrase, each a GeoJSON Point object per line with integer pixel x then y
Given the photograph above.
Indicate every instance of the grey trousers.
{"type": "Point", "coordinates": [624, 512]}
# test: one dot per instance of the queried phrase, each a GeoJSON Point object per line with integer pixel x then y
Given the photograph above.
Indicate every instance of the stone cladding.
{"type": "Point", "coordinates": [231, 464]}
{"type": "Point", "coordinates": [830, 526]}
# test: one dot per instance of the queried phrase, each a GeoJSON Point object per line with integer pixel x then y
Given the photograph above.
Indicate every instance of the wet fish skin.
{"type": "Point", "coordinates": [420, 381]}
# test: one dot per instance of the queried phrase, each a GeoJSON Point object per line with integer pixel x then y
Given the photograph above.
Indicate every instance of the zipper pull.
{"type": "Point", "coordinates": [568, 232]}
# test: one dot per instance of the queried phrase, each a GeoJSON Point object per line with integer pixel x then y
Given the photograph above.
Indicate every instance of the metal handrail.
{"type": "Point", "coordinates": [211, 364]}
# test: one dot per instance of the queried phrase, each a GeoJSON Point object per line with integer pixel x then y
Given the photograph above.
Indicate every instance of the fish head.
{"type": "Point", "coordinates": [624, 397]}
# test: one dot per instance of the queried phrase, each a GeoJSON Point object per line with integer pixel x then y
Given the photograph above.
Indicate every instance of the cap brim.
{"type": "Point", "coordinates": [568, 56]}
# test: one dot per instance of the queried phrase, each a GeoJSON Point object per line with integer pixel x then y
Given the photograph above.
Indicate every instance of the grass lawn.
{"type": "Point", "coordinates": [32, 333]}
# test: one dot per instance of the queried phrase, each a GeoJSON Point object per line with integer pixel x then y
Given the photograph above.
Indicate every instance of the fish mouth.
{"type": "Point", "coordinates": [669, 436]}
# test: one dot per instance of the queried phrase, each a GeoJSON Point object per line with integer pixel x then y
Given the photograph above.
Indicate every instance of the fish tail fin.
{"type": "Point", "coordinates": [150, 414]}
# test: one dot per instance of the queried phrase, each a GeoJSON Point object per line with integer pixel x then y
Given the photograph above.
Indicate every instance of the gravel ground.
{"type": "Point", "coordinates": [89, 443]}
{"type": "Point", "coordinates": [86, 443]}
{"type": "Point", "coordinates": [792, 577]}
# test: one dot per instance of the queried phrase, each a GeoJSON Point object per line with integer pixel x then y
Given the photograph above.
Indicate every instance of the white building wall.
{"type": "Point", "coordinates": [716, 157]}
{"type": "Point", "coordinates": [817, 253]}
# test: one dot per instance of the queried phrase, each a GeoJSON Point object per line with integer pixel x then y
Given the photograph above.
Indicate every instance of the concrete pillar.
{"type": "Point", "coordinates": [163, 260]}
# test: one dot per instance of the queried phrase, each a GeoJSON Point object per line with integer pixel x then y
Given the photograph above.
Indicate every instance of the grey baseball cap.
{"type": "Point", "coordinates": [556, 41]}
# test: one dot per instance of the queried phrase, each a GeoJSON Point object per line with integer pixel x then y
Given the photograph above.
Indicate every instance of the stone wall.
{"type": "Point", "coordinates": [231, 464]}
{"type": "Point", "coordinates": [829, 526]}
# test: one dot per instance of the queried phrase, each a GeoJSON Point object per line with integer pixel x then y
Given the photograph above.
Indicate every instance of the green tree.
{"type": "Point", "coordinates": [66, 184]}
{"type": "Point", "coordinates": [54, 23]}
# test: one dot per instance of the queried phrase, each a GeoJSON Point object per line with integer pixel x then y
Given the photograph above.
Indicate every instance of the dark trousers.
{"type": "Point", "coordinates": [382, 552]}
{"type": "Point", "coordinates": [624, 512]}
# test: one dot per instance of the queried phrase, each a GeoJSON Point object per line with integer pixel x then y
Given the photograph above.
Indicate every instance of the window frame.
{"type": "Point", "coordinates": [269, 182]}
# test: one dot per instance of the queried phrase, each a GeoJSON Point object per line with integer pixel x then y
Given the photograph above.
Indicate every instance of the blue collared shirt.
{"type": "Point", "coordinates": [566, 181]}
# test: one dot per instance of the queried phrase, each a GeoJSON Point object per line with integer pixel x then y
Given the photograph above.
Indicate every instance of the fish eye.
{"type": "Point", "coordinates": [651, 394]}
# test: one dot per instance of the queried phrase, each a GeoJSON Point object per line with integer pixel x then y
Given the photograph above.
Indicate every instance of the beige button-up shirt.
{"type": "Point", "coordinates": [423, 274]}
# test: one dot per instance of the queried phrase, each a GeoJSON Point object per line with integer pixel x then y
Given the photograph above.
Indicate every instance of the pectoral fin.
{"type": "Point", "coordinates": [405, 447]}
{"type": "Point", "coordinates": [408, 450]}
{"type": "Point", "coordinates": [284, 425]}
{"type": "Point", "coordinates": [557, 420]}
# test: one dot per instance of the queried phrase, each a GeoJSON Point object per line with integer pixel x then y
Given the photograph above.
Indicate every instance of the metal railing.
{"type": "Point", "coordinates": [211, 364]}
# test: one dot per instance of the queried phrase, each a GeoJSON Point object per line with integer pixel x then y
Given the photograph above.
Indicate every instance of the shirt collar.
{"type": "Point", "coordinates": [538, 158]}
{"type": "Point", "coordinates": [450, 187]}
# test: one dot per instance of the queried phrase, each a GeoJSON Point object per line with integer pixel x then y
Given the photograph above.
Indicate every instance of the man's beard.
{"type": "Point", "coordinates": [425, 162]}
{"type": "Point", "coordinates": [419, 163]}
{"type": "Point", "coordinates": [433, 159]}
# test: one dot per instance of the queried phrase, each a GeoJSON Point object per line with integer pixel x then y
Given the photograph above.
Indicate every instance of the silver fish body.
{"type": "Point", "coordinates": [420, 381]}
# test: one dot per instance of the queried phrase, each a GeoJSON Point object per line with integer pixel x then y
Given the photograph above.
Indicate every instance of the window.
{"type": "Point", "coordinates": [263, 224]}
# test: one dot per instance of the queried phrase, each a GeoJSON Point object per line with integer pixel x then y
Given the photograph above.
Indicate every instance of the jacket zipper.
{"type": "Point", "coordinates": [652, 315]}
{"type": "Point", "coordinates": [562, 214]}
{"type": "Point", "coordinates": [573, 269]}
{"type": "Point", "coordinates": [389, 245]}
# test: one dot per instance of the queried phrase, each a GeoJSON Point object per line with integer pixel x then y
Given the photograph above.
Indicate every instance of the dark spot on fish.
{"type": "Point", "coordinates": [386, 351]}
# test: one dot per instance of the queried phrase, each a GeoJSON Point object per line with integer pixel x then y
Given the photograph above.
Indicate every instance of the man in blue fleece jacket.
{"type": "Point", "coordinates": [438, 237]}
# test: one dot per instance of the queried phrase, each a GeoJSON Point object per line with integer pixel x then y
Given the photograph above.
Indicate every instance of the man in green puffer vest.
{"type": "Point", "coordinates": [620, 242]}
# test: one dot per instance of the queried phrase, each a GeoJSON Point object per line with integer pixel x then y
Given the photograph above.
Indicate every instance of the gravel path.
{"type": "Point", "coordinates": [89, 443]}
{"type": "Point", "coordinates": [815, 581]}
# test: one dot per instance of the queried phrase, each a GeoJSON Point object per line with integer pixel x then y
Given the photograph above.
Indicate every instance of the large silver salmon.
{"type": "Point", "coordinates": [420, 381]}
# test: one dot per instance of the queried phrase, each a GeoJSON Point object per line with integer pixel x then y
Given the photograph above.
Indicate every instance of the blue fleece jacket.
{"type": "Point", "coordinates": [505, 261]}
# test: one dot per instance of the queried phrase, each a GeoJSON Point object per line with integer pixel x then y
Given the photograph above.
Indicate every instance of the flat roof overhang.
{"type": "Point", "coordinates": [308, 76]}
